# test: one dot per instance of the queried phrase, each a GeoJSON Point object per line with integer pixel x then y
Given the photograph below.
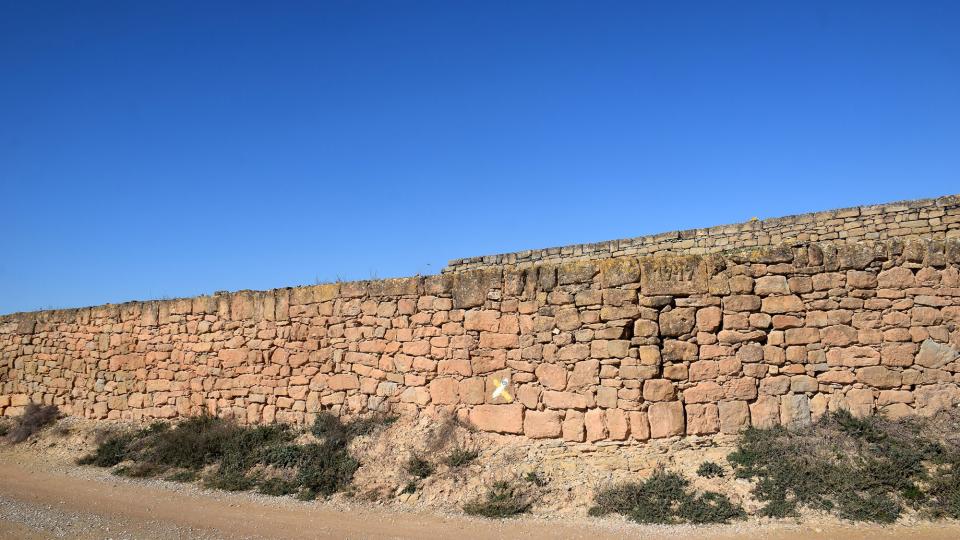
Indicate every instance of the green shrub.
{"type": "Point", "coordinates": [183, 476]}
{"type": "Point", "coordinates": [229, 452]}
{"type": "Point", "coordinates": [665, 498]}
{"type": "Point", "coordinates": [34, 418]}
{"type": "Point", "coordinates": [419, 467]}
{"type": "Point", "coordinates": [709, 469]}
{"type": "Point", "coordinates": [460, 456]}
{"type": "Point", "coordinates": [501, 500]}
{"type": "Point", "coordinates": [862, 469]}
{"type": "Point", "coordinates": [328, 427]}
{"type": "Point", "coordinates": [535, 478]}
{"type": "Point", "coordinates": [326, 468]}
{"type": "Point", "coordinates": [277, 487]}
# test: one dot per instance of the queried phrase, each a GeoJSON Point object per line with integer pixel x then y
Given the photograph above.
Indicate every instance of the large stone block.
{"type": "Point", "coordinates": [619, 271]}
{"type": "Point", "coordinates": [666, 419]}
{"type": "Point", "coordinates": [767, 285]}
{"type": "Point", "coordinates": [782, 304]}
{"type": "Point", "coordinates": [935, 355]}
{"type": "Point", "coordinates": [552, 376]}
{"type": "Point", "coordinates": [675, 275]}
{"type": "Point", "coordinates": [794, 410]}
{"type": "Point", "coordinates": [765, 412]}
{"type": "Point", "coordinates": [658, 390]}
{"type": "Point", "coordinates": [498, 418]}
{"type": "Point", "coordinates": [444, 391]}
{"type": "Point", "coordinates": [470, 288]}
{"type": "Point", "coordinates": [702, 419]}
{"type": "Point", "coordinates": [541, 424]}
{"type": "Point", "coordinates": [734, 416]}
{"type": "Point", "coordinates": [677, 321]}
{"type": "Point", "coordinates": [595, 422]}
{"type": "Point", "coordinates": [679, 351]}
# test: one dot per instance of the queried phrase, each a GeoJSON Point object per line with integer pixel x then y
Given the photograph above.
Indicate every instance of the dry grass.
{"type": "Point", "coordinates": [33, 419]}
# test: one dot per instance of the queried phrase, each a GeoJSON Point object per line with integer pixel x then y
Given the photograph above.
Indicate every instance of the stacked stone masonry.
{"type": "Point", "coordinates": [618, 348]}
{"type": "Point", "coordinates": [903, 219]}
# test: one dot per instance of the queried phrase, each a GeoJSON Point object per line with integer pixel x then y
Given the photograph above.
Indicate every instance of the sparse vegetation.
{"type": "Point", "coordinates": [665, 498]}
{"type": "Point", "coordinates": [867, 469]}
{"type": "Point", "coordinates": [709, 469]}
{"type": "Point", "coordinates": [460, 456]}
{"type": "Point", "coordinates": [34, 418]}
{"type": "Point", "coordinates": [536, 479]}
{"type": "Point", "coordinates": [225, 455]}
{"type": "Point", "coordinates": [502, 500]}
{"type": "Point", "coordinates": [419, 467]}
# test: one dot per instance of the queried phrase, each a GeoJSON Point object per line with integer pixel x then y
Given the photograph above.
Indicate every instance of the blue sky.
{"type": "Point", "coordinates": [163, 149]}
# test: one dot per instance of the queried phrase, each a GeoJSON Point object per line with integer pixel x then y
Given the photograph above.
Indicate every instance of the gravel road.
{"type": "Point", "coordinates": [43, 500]}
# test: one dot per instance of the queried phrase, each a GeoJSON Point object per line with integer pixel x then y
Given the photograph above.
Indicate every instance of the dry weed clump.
{"type": "Point", "coordinates": [34, 418]}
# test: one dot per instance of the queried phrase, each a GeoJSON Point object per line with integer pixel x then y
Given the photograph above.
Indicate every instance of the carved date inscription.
{"type": "Point", "coordinates": [674, 274]}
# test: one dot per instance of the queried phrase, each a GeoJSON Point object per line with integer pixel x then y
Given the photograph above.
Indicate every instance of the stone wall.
{"type": "Point", "coordinates": [903, 219]}
{"type": "Point", "coordinates": [620, 348]}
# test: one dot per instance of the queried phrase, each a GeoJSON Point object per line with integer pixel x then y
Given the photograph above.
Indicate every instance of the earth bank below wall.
{"type": "Point", "coordinates": [610, 349]}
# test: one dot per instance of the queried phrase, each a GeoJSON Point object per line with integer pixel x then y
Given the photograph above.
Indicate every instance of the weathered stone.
{"type": "Point", "coordinates": [541, 424]}
{"type": "Point", "coordinates": [794, 411]}
{"type": "Point", "coordinates": [838, 335]}
{"type": "Point", "coordinates": [596, 425]}
{"type": "Point", "coordinates": [552, 376]}
{"type": "Point", "coordinates": [619, 271]}
{"type": "Point", "coordinates": [677, 321]}
{"type": "Point", "coordinates": [879, 377]}
{"type": "Point", "coordinates": [572, 427]}
{"type": "Point", "coordinates": [679, 351]}
{"type": "Point", "coordinates": [498, 418]}
{"type": "Point", "coordinates": [564, 400]}
{"type": "Point", "coordinates": [585, 373]}
{"type": "Point", "coordinates": [734, 416]}
{"type": "Point", "coordinates": [708, 319]}
{"type": "Point", "coordinates": [639, 426]}
{"type": "Point", "coordinates": [765, 412]}
{"type": "Point", "coordinates": [802, 336]}
{"type": "Point", "coordinates": [470, 287]}
{"type": "Point", "coordinates": [486, 320]}
{"type": "Point", "coordinates": [666, 419]}
{"type": "Point", "coordinates": [703, 392]}
{"type": "Point", "coordinates": [895, 278]}
{"type": "Point", "coordinates": [702, 419]}
{"type": "Point", "coordinates": [935, 355]}
{"type": "Point", "coordinates": [741, 303]}
{"type": "Point", "coordinates": [674, 274]}
{"type": "Point", "coordinates": [782, 304]}
{"type": "Point", "coordinates": [658, 390]}
{"type": "Point", "coordinates": [803, 383]}
{"type": "Point", "coordinates": [768, 285]}
{"type": "Point", "coordinates": [343, 381]}
{"type": "Point", "coordinates": [618, 426]}
{"type": "Point", "coordinates": [704, 370]}
{"type": "Point", "coordinates": [861, 280]}
{"type": "Point", "coordinates": [445, 391]}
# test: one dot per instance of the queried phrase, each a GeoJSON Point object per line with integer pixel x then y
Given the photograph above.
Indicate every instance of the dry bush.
{"type": "Point", "coordinates": [33, 419]}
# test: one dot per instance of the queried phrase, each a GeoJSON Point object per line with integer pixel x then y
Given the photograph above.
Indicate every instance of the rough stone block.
{"type": "Point", "coordinates": [498, 418]}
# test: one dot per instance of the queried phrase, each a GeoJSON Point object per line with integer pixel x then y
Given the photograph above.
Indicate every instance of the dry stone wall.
{"type": "Point", "coordinates": [903, 219]}
{"type": "Point", "coordinates": [619, 348]}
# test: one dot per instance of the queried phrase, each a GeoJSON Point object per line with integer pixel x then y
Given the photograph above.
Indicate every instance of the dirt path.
{"type": "Point", "coordinates": [37, 502]}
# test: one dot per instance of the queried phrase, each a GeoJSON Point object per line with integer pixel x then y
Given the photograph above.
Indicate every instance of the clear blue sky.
{"type": "Point", "coordinates": [163, 149]}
